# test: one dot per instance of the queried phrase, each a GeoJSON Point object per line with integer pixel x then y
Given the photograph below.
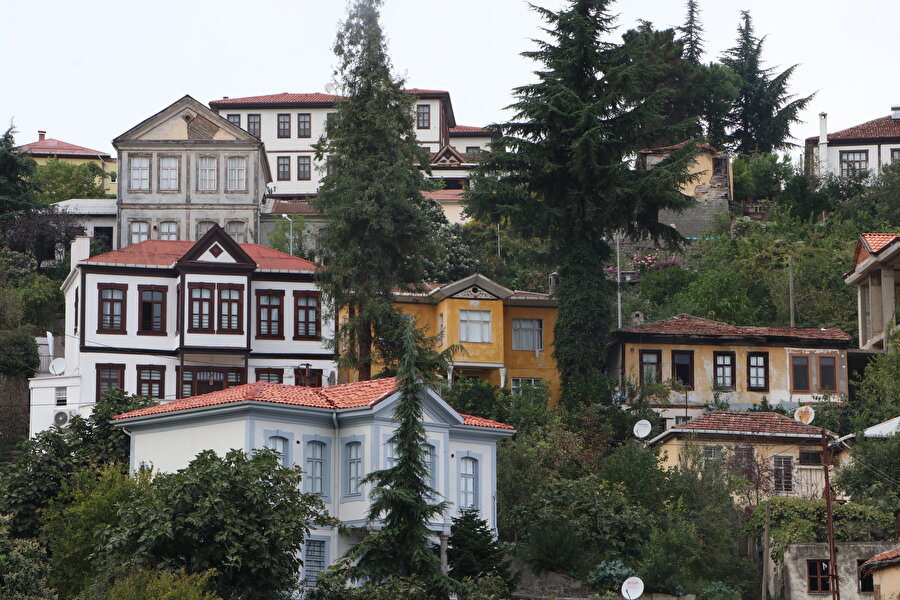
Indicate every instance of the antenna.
{"type": "Point", "coordinates": [641, 430]}
{"type": "Point", "coordinates": [329, 87]}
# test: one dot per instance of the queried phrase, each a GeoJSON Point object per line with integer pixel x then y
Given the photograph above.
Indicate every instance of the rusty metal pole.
{"type": "Point", "coordinates": [832, 550]}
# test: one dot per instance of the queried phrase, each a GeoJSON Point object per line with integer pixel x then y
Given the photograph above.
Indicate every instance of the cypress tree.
{"type": "Point", "coordinates": [561, 171]}
{"type": "Point", "coordinates": [692, 34]}
{"type": "Point", "coordinates": [378, 235]}
{"type": "Point", "coordinates": [762, 116]}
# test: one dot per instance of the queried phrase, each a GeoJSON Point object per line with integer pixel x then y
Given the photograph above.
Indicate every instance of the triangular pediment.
{"type": "Point", "coordinates": [216, 247]}
{"type": "Point", "coordinates": [475, 287]}
{"type": "Point", "coordinates": [435, 411]}
{"type": "Point", "coordinates": [186, 120]}
{"type": "Point", "coordinates": [447, 156]}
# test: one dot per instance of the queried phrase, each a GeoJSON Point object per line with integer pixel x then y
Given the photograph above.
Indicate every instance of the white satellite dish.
{"type": "Point", "coordinates": [633, 587]}
{"type": "Point", "coordinates": [805, 414]}
{"type": "Point", "coordinates": [641, 430]}
{"type": "Point", "coordinates": [57, 366]}
{"type": "Point", "coordinates": [329, 87]}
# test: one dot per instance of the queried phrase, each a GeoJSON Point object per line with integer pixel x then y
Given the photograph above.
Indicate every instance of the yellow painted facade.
{"type": "Point", "coordinates": [887, 582]}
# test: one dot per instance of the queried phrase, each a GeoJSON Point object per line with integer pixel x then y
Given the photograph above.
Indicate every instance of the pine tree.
{"type": "Point", "coordinates": [17, 189]}
{"type": "Point", "coordinates": [474, 551]}
{"type": "Point", "coordinates": [692, 31]}
{"type": "Point", "coordinates": [560, 171]}
{"type": "Point", "coordinates": [762, 116]}
{"type": "Point", "coordinates": [378, 235]}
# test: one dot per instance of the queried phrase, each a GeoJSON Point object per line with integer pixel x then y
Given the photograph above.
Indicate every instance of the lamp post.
{"type": "Point", "coordinates": [291, 238]}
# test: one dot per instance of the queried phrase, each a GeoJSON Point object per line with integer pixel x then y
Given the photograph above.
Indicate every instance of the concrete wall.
{"type": "Point", "coordinates": [789, 580]}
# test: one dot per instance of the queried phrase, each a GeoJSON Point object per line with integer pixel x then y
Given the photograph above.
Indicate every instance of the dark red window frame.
{"type": "Point", "coordinates": [254, 124]}
{"type": "Point", "coordinates": [658, 363]}
{"type": "Point", "coordinates": [279, 373]}
{"type": "Point", "coordinates": [284, 168]}
{"type": "Point", "coordinates": [284, 125]}
{"type": "Point", "coordinates": [260, 294]}
{"type": "Point", "coordinates": [423, 116]}
{"type": "Point", "coordinates": [304, 125]}
{"type": "Point", "coordinates": [304, 168]}
{"type": "Point", "coordinates": [315, 377]}
{"type": "Point", "coordinates": [164, 290]}
{"type": "Point", "coordinates": [211, 328]}
{"type": "Point", "coordinates": [104, 370]}
{"type": "Point", "coordinates": [142, 380]}
{"type": "Point", "coordinates": [818, 575]}
{"type": "Point", "coordinates": [235, 119]}
{"type": "Point", "coordinates": [123, 307]}
{"type": "Point", "coordinates": [235, 304]}
{"type": "Point", "coordinates": [765, 367]}
{"type": "Point", "coordinates": [316, 322]}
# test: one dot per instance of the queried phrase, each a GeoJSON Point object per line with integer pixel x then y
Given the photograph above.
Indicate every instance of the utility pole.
{"type": "Point", "coordinates": [618, 279]}
{"type": "Point", "coordinates": [791, 288]}
{"type": "Point", "coordinates": [832, 550]}
{"type": "Point", "coordinates": [765, 554]}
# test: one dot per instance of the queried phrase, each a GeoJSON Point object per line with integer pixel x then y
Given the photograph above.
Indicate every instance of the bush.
{"type": "Point", "coordinates": [150, 584]}
{"type": "Point", "coordinates": [24, 573]}
{"type": "Point", "coordinates": [18, 353]}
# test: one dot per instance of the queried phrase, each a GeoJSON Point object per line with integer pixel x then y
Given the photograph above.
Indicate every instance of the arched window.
{"type": "Point", "coordinates": [237, 231]}
{"type": "Point", "coordinates": [203, 227]}
{"type": "Point", "coordinates": [140, 231]}
{"type": "Point", "coordinates": [468, 483]}
{"type": "Point", "coordinates": [429, 453]}
{"type": "Point", "coordinates": [354, 468]}
{"type": "Point", "coordinates": [280, 445]}
{"type": "Point", "coordinates": [315, 467]}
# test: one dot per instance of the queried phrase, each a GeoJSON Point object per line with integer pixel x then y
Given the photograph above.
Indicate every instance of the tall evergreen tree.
{"type": "Point", "coordinates": [692, 34]}
{"type": "Point", "coordinates": [560, 171]}
{"type": "Point", "coordinates": [17, 189]}
{"type": "Point", "coordinates": [378, 235]}
{"type": "Point", "coordinates": [762, 116]}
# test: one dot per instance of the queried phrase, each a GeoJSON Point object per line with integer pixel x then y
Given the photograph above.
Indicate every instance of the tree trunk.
{"type": "Point", "coordinates": [364, 352]}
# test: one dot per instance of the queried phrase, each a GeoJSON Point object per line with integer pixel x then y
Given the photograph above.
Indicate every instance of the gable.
{"type": "Point", "coordinates": [447, 156]}
{"type": "Point", "coordinates": [186, 120]}
{"type": "Point", "coordinates": [218, 247]}
{"type": "Point", "coordinates": [475, 287]}
{"type": "Point", "coordinates": [435, 410]}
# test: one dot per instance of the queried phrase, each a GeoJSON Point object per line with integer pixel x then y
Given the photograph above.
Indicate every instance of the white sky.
{"type": "Point", "coordinates": [88, 71]}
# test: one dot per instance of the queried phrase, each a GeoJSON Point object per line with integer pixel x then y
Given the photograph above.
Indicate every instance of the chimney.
{"type": "Point", "coordinates": [553, 284]}
{"type": "Point", "coordinates": [80, 250]}
{"type": "Point", "coordinates": [823, 128]}
{"type": "Point", "coordinates": [895, 112]}
{"type": "Point", "coordinates": [823, 144]}
{"type": "Point", "coordinates": [637, 318]}
{"type": "Point", "coordinates": [41, 135]}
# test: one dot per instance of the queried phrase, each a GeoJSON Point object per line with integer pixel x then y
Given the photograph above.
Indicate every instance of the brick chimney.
{"type": "Point", "coordinates": [41, 135]}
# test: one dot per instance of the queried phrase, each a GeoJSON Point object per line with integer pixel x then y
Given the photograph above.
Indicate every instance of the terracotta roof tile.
{"type": "Point", "coordinates": [51, 146]}
{"type": "Point", "coordinates": [288, 98]}
{"type": "Point", "coordinates": [165, 253]}
{"type": "Point", "coordinates": [445, 194]}
{"type": "Point", "coordinates": [293, 207]}
{"type": "Point", "coordinates": [469, 130]}
{"type": "Point", "coordinates": [679, 145]}
{"type": "Point", "coordinates": [335, 397]}
{"type": "Point", "coordinates": [888, 556]}
{"type": "Point", "coordinates": [875, 242]}
{"type": "Point", "coordinates": [697, 326]}
{"type": "Point", "coordinates": [882, 127]}
{"type": "Point", "coordinates": [750, 422]}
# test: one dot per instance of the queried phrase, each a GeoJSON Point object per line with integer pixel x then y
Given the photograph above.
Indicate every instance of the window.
{"type": "Point", "coordinates": [724, 374]}
{"type": "Point", "coordinates": [140, 231]}
{"type": "Point", "coordinates": [758, 371]}
{"type": "Point", "coordinates": [354, 468]}
{"type": "Point", "coordinates": [308, 377]}
{"type": "Point", "coordinates": [280, 445]}
{"type": "Point", "coordinates": [468, 483]}
{"type": "Point", "coordinates": [308, 316]}
{"type": "Point", "coordinates": [151, 381]}
{"type": "Point", "coordinates": [440, 333]}
{"type": "Point", "coordinates": [811, 457]}
{"type": "Point", "coordinates": [895, 154]}
{"type": "Point", "coordinates": [168, 230]}
{"type": "Point", "coordinates": [304, 168]}
{"type": "Point", "coordinates": [854, 161]}
{"type": "Point", "coordinates": [651, 366]}
{"type": "Point", "coordinates": [864, 581]}
{"type": "Point", "coordinates": [429, 453]}
{"type": "Point", "coordinates": [269, 316]}
{"type": "Point", "coordinates": [253, 125]}
{"type": "Point", "coordinates": [60, 394]}
{"type": "Point", "coordinates": [270, 375]}
{"type": "Point", "coordinates": [284, 168]}
{"type": "Point", "coordinates": [231, 308]}
{"type": "Point", "coordinates": [109, 377]}
{"type": "Point", "coordinates": [783, 473]}
{"type": "Point", "coordinates": [800, 374]}
{"type": "Point", "coordinates": [201, 313]}
{"type": "Point", "coordinates": [423, 116]}
{"type": "Point", "coordinates": [330, 120]}
{"type": "Point", "coordinates": [140, 172]}
{"type": "Point", "coordinates": [827, 374]}
{"type": "Point", "coordinates": [113, 298]}
{"type": "Point", "coordinates": [235, 119]}
{"type": "Point", "coordinates": [818, 575]}
{"type": "Point", "coordinates": [473, 150]}
{"type": "Point", "coordinates": [743, 459]}
{"type": "Point", "coordinates": [391, 454]}
{"type": "Point", "coordinates": [304, 125]}
{"type": "Point", "coordinates": [284, 126]}
{"type": "Point", "coordinates": [712, 454]}
{"type": "Point", "coordinates": [313, 562]}
{"type": "Point", "coordinates": [528, 334]}
{"type": "Point", "coordinates": [152, 307]}
{"type": "Point", "coordinates": [679, 420]}
{"type": "Point", "coordinates": [237, 173]}
{"type": "Point", "coordinates": [168, 174]}
{"type": "Point", "coordinates": [683, 367]}
{"type": "Point", "coordinates": [207, 171]}
{"type": "Point", "coordinates": [203, 227]}
{"type": "Point", "coordinates": [519, 384]}
{"type": "Point", "coordinates": [315, 468]}
{"type": "Point", "coordinates": [475, 326]}
{"type": "Point", "coordinates": [202, 380]}
{"type": "Point", "coordinates": [237, 230]}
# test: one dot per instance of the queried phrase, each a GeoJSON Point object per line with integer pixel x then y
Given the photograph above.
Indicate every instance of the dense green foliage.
{"type": "Point", "coordinates": [62, 180]}
{"type": "Point", "coordinates": [872, 475]}
{"type": "Point", "coordinates": [24, 572]}
{"type": "Point", "coordinates": [17, 187]}
{"type": "Point", "coordinates": [18, 353]}
{"type": "Point", "coordinates": [153, 584]}
{"type": "Point", "coordinates": [473, 551]}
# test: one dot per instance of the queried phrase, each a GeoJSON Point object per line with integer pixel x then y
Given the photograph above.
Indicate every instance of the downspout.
{"type": "Point", "coordinates": [336, 457]}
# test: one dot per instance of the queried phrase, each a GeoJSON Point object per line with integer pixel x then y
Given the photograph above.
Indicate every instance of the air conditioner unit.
{"type": "Point", "coordinates": [61, 418]}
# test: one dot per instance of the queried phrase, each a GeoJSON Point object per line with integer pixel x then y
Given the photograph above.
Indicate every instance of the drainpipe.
{"type": "Point", "coordinates": [336, 457]}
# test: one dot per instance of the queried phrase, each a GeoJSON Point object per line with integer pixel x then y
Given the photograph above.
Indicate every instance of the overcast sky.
{"type": "Point", "coordinates": [88, 71]}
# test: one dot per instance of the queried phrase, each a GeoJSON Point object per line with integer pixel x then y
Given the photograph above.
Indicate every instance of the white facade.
{"type": "Point", "coordinates": [170, 319]}
{"type": "Point", "coordinates": [338, 443]}
{"type": "Point", "coordinates": [867, 147]}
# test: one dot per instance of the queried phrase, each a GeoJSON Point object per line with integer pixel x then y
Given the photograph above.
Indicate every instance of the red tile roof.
{"type": "Point", "coordinates": [468, 129]}
{"type": "Point", "coordinates": [293, 207]}
{"type": "Point", "coordinates": [421, 92]}
{"type": "Point", "coordinates": [882, 127]}
{"type": "Point", "coordinates": [445, 194]}
{"type": "Point", "coordinates": [890, 556]}
{"type": "Point", "coordinates": [679, 145]}
{"type": "Point", "coordinates": [165, 253]}
{"type": "Point", "coordinates": [696, 326]}
{"type": "Point", "coordinates": [335, 397]}
{"type": "Point", "coordinates": [875, 242]}
{"type": "Point", "coordinates": [50, 146]}
{"type": "Point", "coordinates": [288, 98]}
{"type": "Point", "coordinates": [750, 422]}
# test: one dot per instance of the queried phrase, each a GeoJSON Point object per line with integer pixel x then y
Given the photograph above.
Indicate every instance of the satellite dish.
{"type": "Point", "coordinates": [329, 87]}
{"type": "Point", "coordinates": [633, 587]}
{"type": "Point", "coordinates": [641, 430]}
{"type": "Point", "coordinates": [805, 414]}
{"type": "Point", "coordinates": [57, 366]}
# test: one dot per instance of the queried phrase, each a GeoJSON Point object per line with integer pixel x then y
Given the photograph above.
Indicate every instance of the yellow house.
{"type": "Point", "coordinates": [46, 148]}
{"type": "Point", "coordinates": [775, 453]}
{"type": "Point", "coordinates": [885, 570]}
{"type": "Point", "coordinates": [507, 335]}
{"type": "Point", "coordinates": [702, 358]}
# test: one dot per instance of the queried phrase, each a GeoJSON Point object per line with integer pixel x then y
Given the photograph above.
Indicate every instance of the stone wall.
{"type": "Point", "coordinates": [788, 580]}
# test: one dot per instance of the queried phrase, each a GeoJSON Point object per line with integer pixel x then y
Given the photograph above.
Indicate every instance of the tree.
{"type": "Point", "coordinates": [474, 552]}
{"type": "Point", "coordinates": [872, 476]}
{"type": "Point", "coordinates": [24, 572]}
{"type": "Point", "coordinates": [40, 232]}
{"type": "Point", "coordinates": [62, 180]}
{"type": "Point", "coordinates": [18, 353]}
{"type": "Point", "coordinates": [280, 237]}
{"type": "Point", "coordinates": [378, 236]}
{"type": "Point", "coordinates": [765, 110]}
{"type": "Point", "coordinates": [153, 584]}
{"type": "Point", "coordinates": [17, 189]}
{"type": "Point", "coordinates": [692, 34]}
{"type": "Point", "coordinates": [560, 172]}
{"type": "Point", "coordinates": [721, 87]}
{"type": "Point", "coordinates": [244, 516]}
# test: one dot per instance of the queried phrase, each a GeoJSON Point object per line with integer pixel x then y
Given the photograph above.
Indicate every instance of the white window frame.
{"type": "Point", "coordinates": [237, 174]}
{"type": "Point", "coordinates": [475, 326]}
{"type": "Point", "coordinates": [516, 383]}
{"type": "Point", "coordinates": [138, 231]}
{"type": "Point", "coordinates": [207, 174]}
{"type": "Point", "coordinates": [282, 446]}
{"type": "Point", "coordinates": [782, 474]}
{"type": "Point", "coordinates": [200, 234]}
{"type": "Point", "coordinates": [528, 334]}
{"type": "Point", "coordinates": [169, 174]}
{"type": "Point", "coordinates": [238, 236]}
{"type": "Point", "coordinates": [61, 396]}
{"type": "Point", "coordinates": [139, 173]}
{"type": "Point", "coordinates": [354, 469]}
{"type": "Point", "coordinates": [168, 230]}
{"type": "Point", "coordinates": [315, 467]}
{"type": "Point", "coordinates": [468, 483]}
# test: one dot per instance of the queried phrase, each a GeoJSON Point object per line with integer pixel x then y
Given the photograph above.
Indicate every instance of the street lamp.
{"type": "Point", "coordinates": [291, 239]}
